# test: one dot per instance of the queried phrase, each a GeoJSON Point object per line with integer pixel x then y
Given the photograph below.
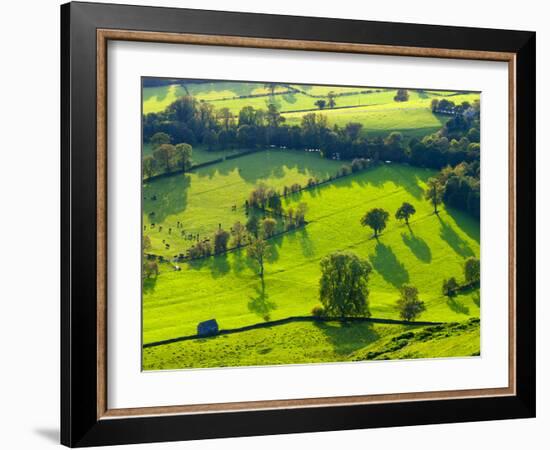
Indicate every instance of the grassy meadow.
{"type": "Point", "coordinates": [227, 287]}
{"type": "Point", "coordinates": [317, 343]}
{"type": "Point", "coordinates": [375, 110]}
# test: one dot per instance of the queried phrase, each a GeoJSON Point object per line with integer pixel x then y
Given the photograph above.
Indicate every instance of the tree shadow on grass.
{"type": "Point", "coordinates": [457, 306]}
{"type": "Point", "coordinates": [308, 247]}
{"type": "Point", "coordinates": [449, 235]}
{"type": "Point", "coordinates": [476, 298]}
{"type": "Point", "coordinates": [275, 100]}
{"type": "Point", "coordinates": [239, 262]}
{"type": "Point", "coordinates": [401, 176]}
{"type": "Point", "coordinates": [148, 285]}
{"type": "Point", "coordinates": [388, 266]}
{"type": "Point", "coordinates": [272, 253]}
{"type": "Point", "coordinates": [260, 304]}
{"type": "Point", "coordinates": [409, 180]}
{"type": "Point", "coordinates": [198, 264]}
{"type": "Point", "coordinates": [169, 194]}
{"type": "Point", "coordinates": [466, 222]}
{"type": "Point", "coordinates": [219, 266]}
{"type": "Point", "coordinates": [289, 98]}
{"type": "Point", "coordinates": [418, 246]}
{"type": "Point", "coordinates": [347, 338]}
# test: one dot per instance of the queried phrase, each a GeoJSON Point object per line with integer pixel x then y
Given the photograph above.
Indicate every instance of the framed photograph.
{"type": "Point", "coordinates": [277, 224]}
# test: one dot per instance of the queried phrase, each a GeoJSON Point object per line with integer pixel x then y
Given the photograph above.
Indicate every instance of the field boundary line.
{"type": "Point", "coordinates": [292, 319]}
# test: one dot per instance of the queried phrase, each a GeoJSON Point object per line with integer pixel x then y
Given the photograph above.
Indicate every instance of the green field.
{"type": "Point", "coordinates": [180, 209]}
{"type": "Point", "coordinates": [300, 101]}
{"type": "Point", "coordinates": [227, 287]}
{"type": "Point", "coordinates": [317, 343]}
{"type": "Point", "coordinates": [376, 111]}
{"type": "Point", "coordinates": [324, 90]}
{"type": "Point", "coordinates": [203, 199]}
{"type": "Point", "coordinates": [156, 99]}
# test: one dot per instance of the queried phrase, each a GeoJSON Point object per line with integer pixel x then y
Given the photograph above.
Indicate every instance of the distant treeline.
{"type": "Point", "coordinates": [455, 145]}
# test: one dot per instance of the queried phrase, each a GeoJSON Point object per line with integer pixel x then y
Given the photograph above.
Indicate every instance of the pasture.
{"type": "Point", "coordinates": [296, 343]}
{"type": "Point", "coordinates": [227, 287]}
{"type": "Point", "coordinates": [204, 198]}
{"type": "Point", "coordinates": [376, 110]}
{"type": "Point", "coordinates": [181, 209]}
{"type": "Point", "coordinates": [200, 153]}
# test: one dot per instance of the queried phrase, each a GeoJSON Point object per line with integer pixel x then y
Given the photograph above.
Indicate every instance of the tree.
{"type": "Point", "coordinates": [343, 285]}
{"type": "Point", "coordinates": [184, 109]}
{"type": "Point", "coordinates": [150, 269]}
{"type": "Point", "coordinates": [226, 118]}
{"type": "Point", "coordinates": [247, 116]}
{"type": "Point", "coordinates": [210, 138]}
{"type": "Point", "coordinates": [300, 214]}
{"type": "Point", "coordinates": [200, 250]}
{"type": "Point", "coordinates": [290, 215]}
{"type": "Point", "coordinates": [268, 227]}
{"type": "Point", "coordinates": [405, 211]}
{"type": "Point", "coordinates": [402, 95]}
{"type": "Point", "coordinates": [252, 225]}
{"type": "Point", "coordinates": [450, 286]}
{"type": "Point", "coordinates": [435, 193]}
{"type": "Point", "coordinates": [146, 243]}
{"type": "Point", "coordinates": [321, 104]}
{"type": "Point", "coordinates": [408, 305]}
{"type": "Point", "coordinates": [318, 311]}
{"type": "Point", "coordinates": [353, 130]}
{"type": "Point", "coordinates": [239, 234]}
{"type": "Point", "coordinates": [246, 135]}
{"type": "Point", "coordinates": [271, 87]}
{"type": "Point", "coordinates": [472, 268]}
{"type": "Point", "coordinates": [164, 155]}
{"type": "Point", "coordinates": [206, 117]}
{"type": "Point", "coordinates": [159, 139]}
{"type": "Point", "coordinates": [331, 99]}
{"type": "Point", "coordinates": [183, 156]}
{"type": "Point", "coordinates": [258, 197]}
{"type": "Point", "coordinates": [221, 238]}
{"type": "Point", "coordinates": [273, 116]}
{"type": "Point", "coordinates": [434, 104]}
{"type": "Point", "coordinates": [227, 138]}
{"type": "Point", "coordinates": [149, 166]}
{"type": "Point", "coordinates": [376, 219]}
{"type": "Point", "coordinates": [257, 250]}
{"type": "Point", "coordinates": [274, 202]}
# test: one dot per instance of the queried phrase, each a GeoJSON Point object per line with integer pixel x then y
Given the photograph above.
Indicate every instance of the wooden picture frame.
{"type": "Point", "coordinates": [86, 418]}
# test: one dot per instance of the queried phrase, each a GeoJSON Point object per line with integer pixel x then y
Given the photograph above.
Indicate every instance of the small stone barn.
{"type": "Point", "coordinates": [207, 328]}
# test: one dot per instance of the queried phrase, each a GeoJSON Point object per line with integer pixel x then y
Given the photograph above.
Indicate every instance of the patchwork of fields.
{"type": "Point", "coordinates": [376, 110]}
{"type": "Point", "coordinates": [227, 287]}
{"type": "Point", "coordinates": [203, 199]}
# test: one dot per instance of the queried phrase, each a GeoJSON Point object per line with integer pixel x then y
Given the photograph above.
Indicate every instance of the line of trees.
{"type": "Point", "coordinates": [377, 218]}
{"type": "Point", "coordinates": [256, 228]}
{"type": "Point", "coordinates": [268, 200]}
{"type": "Point", "coordinates": [472, 272]}
{"type": "Point", "coordinates": [166, 157]}
{"type": "Point", "coordinates": [187, 121]}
